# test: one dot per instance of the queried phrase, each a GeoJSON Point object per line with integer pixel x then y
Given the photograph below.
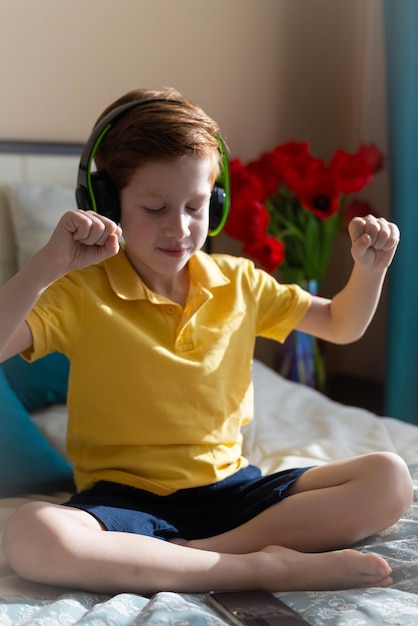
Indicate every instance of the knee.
{"type": "Point", "coordinates": [27, 540]}
{"type": "Point", "coordinates": [395, 481]}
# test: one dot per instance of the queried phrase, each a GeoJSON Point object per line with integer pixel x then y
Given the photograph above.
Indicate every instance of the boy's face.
{"type": "Point", "coordinates": [165, 216]}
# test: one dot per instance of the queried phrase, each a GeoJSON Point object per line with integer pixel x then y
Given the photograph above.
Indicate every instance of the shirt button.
{"type": "Point", "coordinates": [170, 309]}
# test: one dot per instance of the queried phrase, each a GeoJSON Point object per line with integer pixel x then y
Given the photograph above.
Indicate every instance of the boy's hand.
{"type": "Point", "coordinates": [82, 238]}
{"type": "Point", "coordinates": [374, 241]}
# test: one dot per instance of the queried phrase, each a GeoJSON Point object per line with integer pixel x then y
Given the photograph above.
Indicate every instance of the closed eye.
{"type": "Point", "coordinates": [156, 210]}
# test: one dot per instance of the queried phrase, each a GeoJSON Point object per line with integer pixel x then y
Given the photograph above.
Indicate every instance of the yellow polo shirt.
{"type": "Point", "coordinates": [158, 393]}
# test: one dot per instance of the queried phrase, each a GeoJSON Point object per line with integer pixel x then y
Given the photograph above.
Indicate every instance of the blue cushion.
{"type": "Point", "coordinates": [36, 384]}
{"type": "Point", "coordinates": [28, 462]}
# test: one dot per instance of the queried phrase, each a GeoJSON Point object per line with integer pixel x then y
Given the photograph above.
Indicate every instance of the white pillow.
{"type": "Point", "coordinates": [35, 211]}
{"type": "Point", "coordinates": [52, 422]}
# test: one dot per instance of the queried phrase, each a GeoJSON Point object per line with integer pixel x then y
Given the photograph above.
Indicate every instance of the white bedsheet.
{"type": "Point", "coordinates": [295, 425]}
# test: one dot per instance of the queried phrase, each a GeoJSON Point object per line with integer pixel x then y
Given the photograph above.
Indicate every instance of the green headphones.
{"type": "Point", "coordinates": [96, 192]}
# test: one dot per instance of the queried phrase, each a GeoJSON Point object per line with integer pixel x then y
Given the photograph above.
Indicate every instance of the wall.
{"type": "Point", "coordinates": [62, 62]}
{"type": "Point", "coordinates": [267, 70]}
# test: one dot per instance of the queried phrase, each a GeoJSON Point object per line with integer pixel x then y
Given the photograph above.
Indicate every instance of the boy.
{"type": "Point", "coordinates": [160, 338]}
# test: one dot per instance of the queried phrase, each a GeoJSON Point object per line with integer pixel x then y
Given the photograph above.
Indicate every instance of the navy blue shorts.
{"type": "Point", "coordinates": [192, 513]}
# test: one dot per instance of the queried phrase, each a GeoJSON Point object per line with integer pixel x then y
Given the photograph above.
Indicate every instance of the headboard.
{"type": "Point", "coordinates": [53, 165]}
{"type": "Point", "coordinates": [39, 162]}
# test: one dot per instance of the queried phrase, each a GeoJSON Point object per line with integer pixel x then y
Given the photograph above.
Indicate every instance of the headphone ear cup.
{"type": "Point", "coordinates": [82, 197]}
{"type": "Point", "coordinates": [217, 209]}
{"type": "Point", "coordinates": [106, 196]}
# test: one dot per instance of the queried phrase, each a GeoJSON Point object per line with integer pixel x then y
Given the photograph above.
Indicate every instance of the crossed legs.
{"type": "Point", "coordinates": [329, 507]}
{"type": "Point", "coordinates": [292, 545]}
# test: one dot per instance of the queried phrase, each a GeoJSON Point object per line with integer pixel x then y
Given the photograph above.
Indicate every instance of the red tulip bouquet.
{"type": "Point", "coordinates": [286, 208]}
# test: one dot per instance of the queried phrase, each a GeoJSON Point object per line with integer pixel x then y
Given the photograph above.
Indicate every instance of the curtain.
{"type": "Point", "coordinates": [401, 31]}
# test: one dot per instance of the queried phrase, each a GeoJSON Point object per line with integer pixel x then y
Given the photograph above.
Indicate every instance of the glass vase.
{"type": "Point", "coordinates": [302, 360]}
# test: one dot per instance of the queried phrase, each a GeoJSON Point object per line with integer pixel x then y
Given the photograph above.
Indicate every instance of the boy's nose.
{"type": "Point", "coordinates": [177, 225]}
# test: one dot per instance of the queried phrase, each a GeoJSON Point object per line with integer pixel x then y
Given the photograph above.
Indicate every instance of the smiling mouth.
{"type": "Point", "coordinates": [174, 252]}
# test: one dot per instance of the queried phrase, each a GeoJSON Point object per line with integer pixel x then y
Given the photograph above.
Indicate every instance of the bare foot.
{"type": "Point", "coordinates": [289, 570]}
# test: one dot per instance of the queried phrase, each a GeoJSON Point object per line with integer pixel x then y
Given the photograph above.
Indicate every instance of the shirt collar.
{"type": "Point", "coordinates": [127, 285]}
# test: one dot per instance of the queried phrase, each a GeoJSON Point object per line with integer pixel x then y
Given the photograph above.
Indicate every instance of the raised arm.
{"type": "Point", "coordinates": [346, 317]}
{"type": "Point", "coordinates": [80, 239]}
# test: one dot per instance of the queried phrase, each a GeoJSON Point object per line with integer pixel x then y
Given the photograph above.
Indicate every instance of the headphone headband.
{"type": "Point", "coordinates": [96, 192]}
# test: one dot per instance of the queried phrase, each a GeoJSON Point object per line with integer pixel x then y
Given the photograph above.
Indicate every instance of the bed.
{"type": "Point", "coordinates": [293, 426]}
